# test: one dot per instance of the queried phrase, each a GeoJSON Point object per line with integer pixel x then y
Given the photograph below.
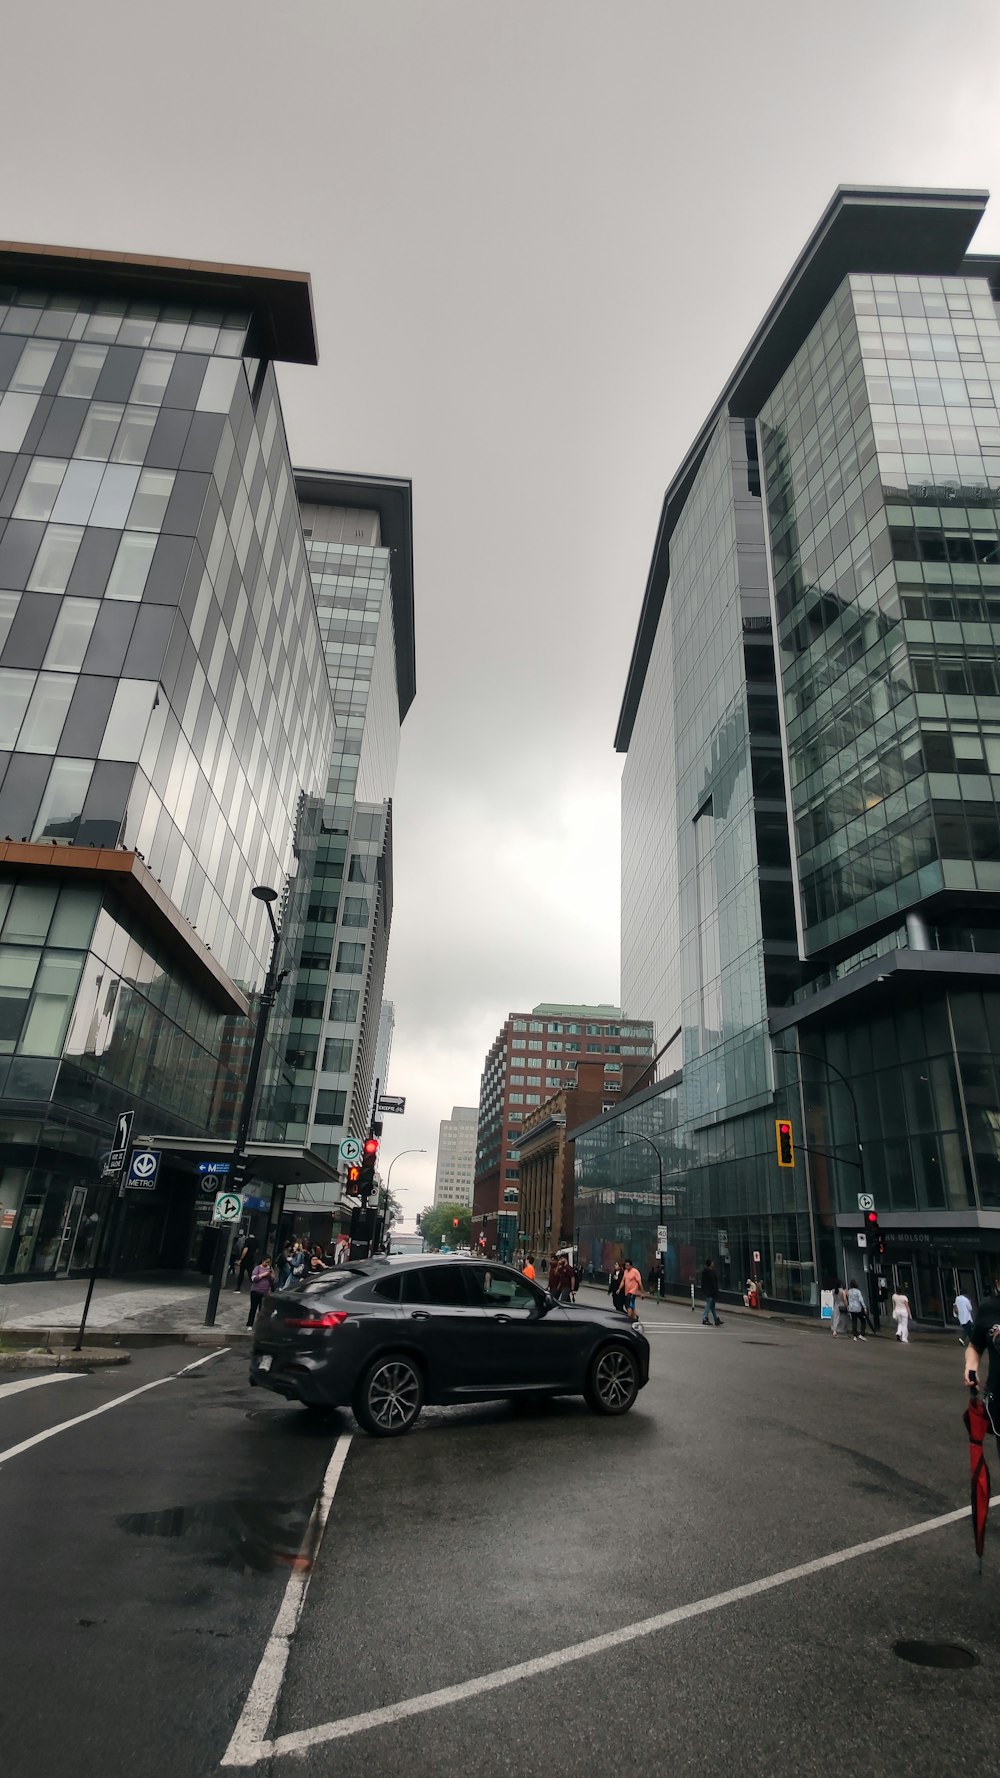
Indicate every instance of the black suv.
{"type": "Point", "coordinates": [385, 1338]}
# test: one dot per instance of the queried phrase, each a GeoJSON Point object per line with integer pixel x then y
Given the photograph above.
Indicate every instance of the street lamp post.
{"type": "Point", "coordinates": [238, 1164]}
{"type": "Point", "coordinates": [824, 1062]}
{"type": "Point", "coordinates": [385, 1188]}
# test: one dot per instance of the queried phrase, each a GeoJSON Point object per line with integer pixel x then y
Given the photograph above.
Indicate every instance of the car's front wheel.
{"type": "Point", "coordinates": [613, 1381]}
{"type": "Point", "coordinates": [389, 1396]}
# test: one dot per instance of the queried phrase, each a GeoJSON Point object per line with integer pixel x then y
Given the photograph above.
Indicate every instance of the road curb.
{"type": "Point", "coordinates": [59, 1339]}
{"type": "Point", "coordinates": [68, 1360]}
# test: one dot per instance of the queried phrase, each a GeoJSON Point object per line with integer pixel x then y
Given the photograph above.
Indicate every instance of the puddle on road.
{"type": "Point", "coordinates": [250, 1536]}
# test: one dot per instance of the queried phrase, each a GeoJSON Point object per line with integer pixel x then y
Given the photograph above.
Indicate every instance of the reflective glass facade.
{"type": "Point", "coordinates": [811, 798]}
{"type": "Point", "coordinates": [163, 695]}
{"type": "Point", "coordinates": [333, 1036]}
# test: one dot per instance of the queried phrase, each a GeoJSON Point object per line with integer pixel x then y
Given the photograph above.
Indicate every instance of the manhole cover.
{"type": "Point", "coordinates": [936, 1654]}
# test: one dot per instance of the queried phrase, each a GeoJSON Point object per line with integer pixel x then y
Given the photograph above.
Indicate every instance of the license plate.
{"type": "Point", "coordinates": [265, 1363]}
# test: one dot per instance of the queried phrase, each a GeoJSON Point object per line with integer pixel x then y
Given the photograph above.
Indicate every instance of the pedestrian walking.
{"type": "Point", "coordinates": [710, 1290]}
{"type": "Point", "coordinates": [560, 1276]}
{"type": "Point", "coordinates": [300, 1262]}
{"type": "Point", "coordinates": [632, 1289]}
{"type": "Point", "coordinates": [285, 1266]}
{"type": "Point", "coordinates": [615, 1290]}
{"type": "Point", "coordinates": [528, 1268]}
{"type": "Point", "coordinates": [901, 1316]}
{"type": "Point", "coordinates": [261, 1285]}
{"type": "Point", "coordinates": [574, 1280]}
{"type": "Point", "coordinates": [239, 1242]}
{"type": "Point", "coordinates": [590, 1271]}
{"type": "Point", "coordinates": [857, 1311]}
{"type": "Point", "coordinates": [839, 1318]}
{"type": "Point", "coordinates": [248, 1259]}
{"type": "Point", "coordinates": [965, 1315]}
{"type": "Point", "coordinates": [985, 1337]}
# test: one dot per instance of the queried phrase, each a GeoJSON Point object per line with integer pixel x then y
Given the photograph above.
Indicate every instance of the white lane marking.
{"type": "Point", "coordinates": [36, 1382]}
{"type": "Point", "coordinates": [301, 1740]}
{"type": "Point", "coordinates": [262, 1698]}
{"type": "Point", "coordinates": [206, 1360]}
{"type": "Point", "coordinates": [105, 1408]}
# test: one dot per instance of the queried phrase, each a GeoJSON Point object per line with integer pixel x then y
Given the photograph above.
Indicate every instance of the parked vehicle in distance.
{"type": "Point", "coordinates": [384, 1339]}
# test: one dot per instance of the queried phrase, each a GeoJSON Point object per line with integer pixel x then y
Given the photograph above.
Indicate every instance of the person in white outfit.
{"type": "Point", "coordinates": [965, 1315]}
{"type": "Point", "coordinates": [857, 1311]}
{"type": "Point", "coordinates": [901, 1315]}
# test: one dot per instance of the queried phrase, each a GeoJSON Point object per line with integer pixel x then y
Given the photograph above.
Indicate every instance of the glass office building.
{"type": "Point", "coordinates": [359, 548]}
{"type": "Point", "coordinates": [165, 720]}
{"type": "Point", "coordinates": [811, 840]}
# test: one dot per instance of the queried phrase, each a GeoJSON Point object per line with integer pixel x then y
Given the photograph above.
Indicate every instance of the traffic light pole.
{"type": "Point", "coordinates": [824, 1062]}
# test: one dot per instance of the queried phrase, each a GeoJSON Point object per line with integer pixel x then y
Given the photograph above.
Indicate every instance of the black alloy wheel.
{"type": "Point", "coordinates": [613, 1381]}
{"type": "Point", "coordinates": [389, 1396]}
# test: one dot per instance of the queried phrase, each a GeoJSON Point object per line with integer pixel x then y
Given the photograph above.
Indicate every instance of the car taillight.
{"type": "Point", "coordinates": [332, 1318]}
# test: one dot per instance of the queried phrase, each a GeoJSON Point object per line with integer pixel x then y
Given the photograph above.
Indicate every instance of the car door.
{"type": "Point", "coordinates": [440, 1316]}
{"type": "Point", "coordinates": [526, 1341]}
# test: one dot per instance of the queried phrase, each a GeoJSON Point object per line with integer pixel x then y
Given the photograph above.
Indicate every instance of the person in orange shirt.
{"type": "Point", "coordinates": [631, 1286]}
{"type": "Point", "coordinates": [528, 1269]}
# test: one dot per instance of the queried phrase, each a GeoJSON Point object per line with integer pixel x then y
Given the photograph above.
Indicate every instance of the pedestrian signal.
{"type": "Point", "coordinates": [785, 1142]}
{"type": "Point", "coordinates": [353, 1175]}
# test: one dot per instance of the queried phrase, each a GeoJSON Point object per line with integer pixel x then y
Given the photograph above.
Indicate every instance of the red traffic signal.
{"type": "Point", "coordinates": [784, 1142]}
{"type": "Point", "coordinates": [871, 1218]}
{"type": "Point", "coordinates": [454, 1222]}
{"type": "Point", "coordinates": [371, 1146]}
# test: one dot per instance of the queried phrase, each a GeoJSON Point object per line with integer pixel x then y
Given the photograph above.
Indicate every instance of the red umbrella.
{"type": "Point", "coordinates": [978, 1425]}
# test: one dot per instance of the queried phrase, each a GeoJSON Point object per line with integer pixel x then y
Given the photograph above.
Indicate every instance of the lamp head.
{"type": "Point", "coordinates": [263, 893]}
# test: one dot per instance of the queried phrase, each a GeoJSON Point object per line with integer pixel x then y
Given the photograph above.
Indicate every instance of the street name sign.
{"type": "Point", "coordinates": [228, 1209]}
{"type": "Point", "coordinates": [391, 1102]}
{"type": "Point", "coordinates": [350, 1150]}
{"type": "Point", "coordinates": [119, 1148]}
{"type": "Point", "coordinates": [866, 1201]}
{"type": "Point", "coordinates": [143, 1170]}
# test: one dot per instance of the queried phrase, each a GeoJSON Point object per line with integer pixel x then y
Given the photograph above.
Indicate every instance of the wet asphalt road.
{"type": "Point", "coordinates": [146, 1552]}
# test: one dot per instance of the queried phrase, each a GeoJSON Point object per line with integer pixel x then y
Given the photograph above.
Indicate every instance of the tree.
{"type": "Point", "coordinates": [437, 1225]}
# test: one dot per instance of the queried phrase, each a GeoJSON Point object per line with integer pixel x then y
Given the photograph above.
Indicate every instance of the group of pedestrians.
{"type": "Point", "coordinates": [562, 1276]}
{"type": "Point", "coordinates": [297, 1261]}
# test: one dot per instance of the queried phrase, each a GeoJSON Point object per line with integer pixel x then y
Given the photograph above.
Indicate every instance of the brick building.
{"type": "Point", "coordinates": [545, 1203]}
{"type": "Point", "coordinates": [533, 1056]}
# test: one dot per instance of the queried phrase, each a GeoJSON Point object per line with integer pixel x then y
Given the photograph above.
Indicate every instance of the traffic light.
{"type": "Point", "coordinates": [454, 1222]}
{"type": "Point", "coordinates": [353, 1175]}
{"type": "Point", "coordinates": [418, 1218]}
{"type": "Point", "coordinates": [876, 1239]}
{"type": "Point", "coordinates": [785, 1142]}
{"type": "Point", "coordinates": [366, 1183]}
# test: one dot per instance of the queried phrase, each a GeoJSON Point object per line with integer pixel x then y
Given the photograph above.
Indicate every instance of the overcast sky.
{"type": "Point", "coordinates": [539, 233]}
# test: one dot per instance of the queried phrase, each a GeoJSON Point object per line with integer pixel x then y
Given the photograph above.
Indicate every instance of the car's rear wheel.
{"type": "Point", "coordinates": [389, 1396]}
{"type": "Point", "coordinates": [612, 1381]}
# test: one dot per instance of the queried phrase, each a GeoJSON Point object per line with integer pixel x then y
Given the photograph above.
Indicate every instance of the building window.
{"type": "Point", "coordinates": [344, 1005]}
{"type": "Point", "coordinates": [331, 1108]}
{"type": "Point", "coordinates": [517, 1080]}
{"type": "Point", "coordinates": [350, 959]}
{"type": "Point", "coordinates": [516, 1099]}
{"type": "Point", "coordinates": [573, 1048]}
{"type": "Point", "coordinates": [519, 1025]}
{"type": "Point", "coordinates": [517, 1043]}
{"type": "Point", "coordinates": [612, 1067]}
{"type": "Point", "coordinates": [555, 1046]}
{"type": "Point", "coordinates": [355, 911]}
{"type": "Point", "coordinates": [557, 1028]}
{"type": "Point", "coordinates": [532, 1098]}
{"type": "Point", "coordinates": [534, 1043]}
{"type": "Point", "coordinates": [595, 1049]}
{"type": "Point", "coordinates": [337, 1055]}
{"type": "Point", "coordinates": [536, 1025]}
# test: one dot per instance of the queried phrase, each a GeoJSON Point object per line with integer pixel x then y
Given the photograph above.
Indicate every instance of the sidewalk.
{"type": "Point", "coordinates": [133, 1311]}
{"type": "Point", "coordinates": [810, 1323]}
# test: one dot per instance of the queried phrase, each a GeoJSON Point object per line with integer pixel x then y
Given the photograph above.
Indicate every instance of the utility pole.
{"type": "Point", "coordinates": [238, 1165]}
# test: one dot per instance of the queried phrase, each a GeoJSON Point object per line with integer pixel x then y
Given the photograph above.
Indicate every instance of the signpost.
{"type": "Point", "coordinates": [214, 1166]}
{"type": "Point", "coordinates": [391, 1102]}
{"type": "Point", "coordinates": [351, 1150]}
{"type": "Point", "coordinates": [119, 1148]}
{"type": "Point", "coordinates": [662, 1238]}
{"type": "Point", "coordinates": [862, 1238]}
{"type": "Point", "coordinates": [866, 1201]}
{"type": "Point", "coordinates": [143, 1170]}
{"type": "Point", "coordinates": [228, 1209]}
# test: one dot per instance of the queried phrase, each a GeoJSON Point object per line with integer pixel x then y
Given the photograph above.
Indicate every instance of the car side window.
{"type": "Point", "coordinates": [444, 1286]}
{"type": "Point", "coordinates": [505, 1290]}
{"type": "Point", "coordinates": [387, 1289]}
